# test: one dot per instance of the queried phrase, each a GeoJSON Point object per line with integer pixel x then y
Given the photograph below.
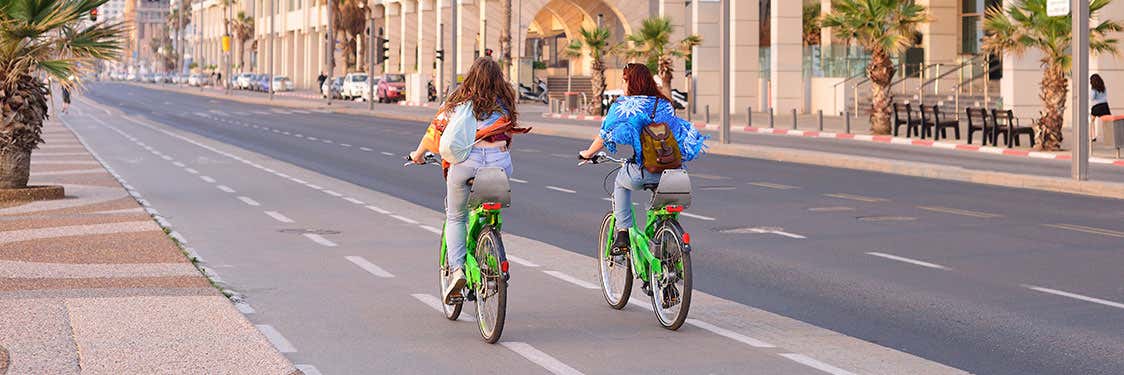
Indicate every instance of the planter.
{"type": "Point", "coordinates": [32, 193]}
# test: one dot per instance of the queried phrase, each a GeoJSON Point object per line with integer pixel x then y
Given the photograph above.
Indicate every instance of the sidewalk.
{"type": "Point", "coordinates": [91, 284]}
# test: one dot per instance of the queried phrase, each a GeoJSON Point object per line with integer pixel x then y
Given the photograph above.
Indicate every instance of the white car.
{"type": "Point", "coordinates": [244, 80]}
{"type": "Point", "coordinates": [197, 80]}
{"type": "Point", "coordinates": [354, 85]}
{"type": "Point", "coordinates": [282, 83]}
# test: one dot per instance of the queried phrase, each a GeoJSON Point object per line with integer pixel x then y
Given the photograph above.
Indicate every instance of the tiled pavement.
{"type": "Point", "coordinates": [91, 284]}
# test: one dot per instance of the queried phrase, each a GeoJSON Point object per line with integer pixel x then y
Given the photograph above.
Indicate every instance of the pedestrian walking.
{"type": "Point", "coordinates": [65, 99]}
{"type": "Point", "coordinates": [320, 80]}
{"type": "Point", "coordinates": [1098, 102]}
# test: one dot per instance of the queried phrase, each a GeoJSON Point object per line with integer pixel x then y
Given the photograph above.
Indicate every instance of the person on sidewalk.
{"type": "Point", "coordinates": [320, 81]}
{"type": "Point", "coordinates": [65, 99]}
{"type": "Point", "coordinates": [1098, 102]}
{"type": "Point", "coordinates": [487, 102]}
{"type": "Point", "coordinates": [642, 104]}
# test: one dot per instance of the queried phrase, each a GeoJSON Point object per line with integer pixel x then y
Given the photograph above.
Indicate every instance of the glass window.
{"type": "Point", "coordinates": [971, 32]}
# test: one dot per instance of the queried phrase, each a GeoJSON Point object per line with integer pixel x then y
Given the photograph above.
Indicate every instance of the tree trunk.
{"type": "Point", "coordinates": [881, 74]}
{"type": "Point", "coordinates": [505, 38]}
{"type": "Point", "coordinates": [665, 71]}
{"type": "Point", "coordinates": [15, 168]}
{"type": "Point", "coordinates": [599, 85]}
{"type": "Point", "coordinates": [1055, 88]}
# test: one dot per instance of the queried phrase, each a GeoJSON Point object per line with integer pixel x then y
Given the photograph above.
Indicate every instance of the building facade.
{"type": "Point", "coordinates": [147, 21]}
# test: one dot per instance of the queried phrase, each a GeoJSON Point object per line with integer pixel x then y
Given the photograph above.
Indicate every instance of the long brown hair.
{"type": "Point", "coordinates": [486, 88]}
{"type": "Point", "coordinates": [640, 81]}
{"type": "Point", "coordinates": [1097, 82]}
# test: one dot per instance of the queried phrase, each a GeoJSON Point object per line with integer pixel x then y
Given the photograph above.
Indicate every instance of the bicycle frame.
{"type": "Point", "coordinates": [478, 219]}
{"type": "Point", "coordinates": [644, 263]}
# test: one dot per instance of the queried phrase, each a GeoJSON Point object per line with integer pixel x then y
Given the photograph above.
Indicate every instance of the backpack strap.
{"type": "Point", "coordinates": [654, 109]}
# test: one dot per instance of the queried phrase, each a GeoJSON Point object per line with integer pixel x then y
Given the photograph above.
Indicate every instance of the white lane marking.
{"type": "Point", "coordinates": [405, 219]}
{"type": "Point", "coordinates": [327, 141]}
{"type": "Point", "coordinates": [564, 190]}
{"type": "Point", "coordinates": [333, 193]}
{"type": "Point", "coordinates": [279, 217]}
{"type": "Point", "coordinates": [297, 180]}
{"type": "Point", "coordinates": [518, 180]}
{"type": "Point", "coordinates": [276, 338]}
{"type": "Point", "coordinates": [961, 212]}
{"type": "Point", "coordinates": [810, 362]}
{"type": "Point", "coordinates": [207, 178]}
{"type": "Point", "coordinates": [191, 170]}
{"type": "Point", "coordinates": [301, 111]}
{"type": "Point", "coordinates": [368, 149]}
{"type": "Point", "coordinates": [317, 187]}
{"type": "Point", "coordinates": [729, 334]}
{"type": "Point", "coordinates": [313, 139]}
{"type": "Point", "coordinates": [377, 209]}
{"type": "Point", "coordinates": [178, 164]}
{"type": "Point", "coordinates": [225, 188]}
{"type": "Point", "coordinates": [308, 369]}
{"type": "Point", "coordinates": [438, 231]}
{"type": "Point", "coordinates": [244, 308]}
{"type": "Point", "coordinates": [771, 185]}
{"type": "Point", "coordinates": [1076, 296]}
{"type": "Point", "coordinates": [353, 200]}
{"type": "Point", "coordinates": [539, 358]}
{"type": "Point", "coordinates": [369, 267]}
{"type": "Point", "coordinates": [908, 260]}
{"type": "Point", "coordinates": [320, 239]}
{"type": "Point", "coordinates": [249, 201]}
{"type": "Point", "coordinates": [435, 304]}
{"type": "Point", "coordinates": [521, 261]}
{"type": "Point", "coordinates": [387, 153]}
{"type": "Point", "coordinates": [1085, 229]}
{"type": "Point", "coordinates": [854, 197]}
{"type": "Point", "coordinates": [701, 217]}
{"type": "Point", "coordinates": [344, 145]}
{"type": "Point", "coordinates": [299, 136]}
{"type": "Point", "coordinates": [571, 279]}
{"type": "Point", "coordinates": [282, 175]}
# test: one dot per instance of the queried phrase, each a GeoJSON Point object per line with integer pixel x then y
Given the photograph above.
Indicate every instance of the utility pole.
{"type": "Point", "coordinates": [454, 52]}
{"type": "Point", "coordinates": [1079, 9]}
{"type": "Point", "coordinates": [724, 45]}
{"type": "Point", "coordinates": [330, 40]}
{"type": "Point", "coordinates": [179, 38]}
{"type": "Point", "coordinates": [226, 46]}
{"type": "Point", "coordinates": [202, 10]}
{"type": "Point", "coordinates": [272, 21]}
{"type": "Point", "coordinates": [371, 45]}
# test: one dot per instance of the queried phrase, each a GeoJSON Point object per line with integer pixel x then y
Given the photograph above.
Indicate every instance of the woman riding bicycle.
{"type": "Point", "coordinates": [486, 98]}
{"type": "Point", "coordinates": [642, 104]}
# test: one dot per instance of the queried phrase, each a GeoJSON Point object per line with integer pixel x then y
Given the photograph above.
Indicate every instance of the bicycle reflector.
{"type": "Point", "coordinates": [687, 238]}
{"type": "Point", "coordinates": [492, 206]}
{"type": "Point", "coordinates": [674, 208]}
{"type": "Point", "coordinates": [503, 266]}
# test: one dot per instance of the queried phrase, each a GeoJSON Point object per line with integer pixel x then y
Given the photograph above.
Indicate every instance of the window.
{"type": "Point", "coordinates": [972, 13]}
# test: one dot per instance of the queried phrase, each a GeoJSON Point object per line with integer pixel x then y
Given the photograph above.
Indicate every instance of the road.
{"type": "Point", "coordinates": [835, 269]}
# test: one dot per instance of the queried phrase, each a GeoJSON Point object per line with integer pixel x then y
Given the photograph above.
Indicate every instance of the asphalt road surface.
{"type": "Point", "coordinates": [803, 269]}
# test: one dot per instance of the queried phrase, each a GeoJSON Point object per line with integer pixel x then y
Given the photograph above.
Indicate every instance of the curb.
{"type": "Point", "coordinates": [913, 169]}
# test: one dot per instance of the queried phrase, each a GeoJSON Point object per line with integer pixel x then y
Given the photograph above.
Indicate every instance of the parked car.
{"type": "Point", "coordinates": [282, 83]}
{"type": "Point", "coordinates": [331, 87]}
{"type": "Point", "coordinates": [262, 83]}
{"type": "Point", "coordinates": [391, 88]}
{"type": "Point", "coordinates": [159, 78]}
{"type": "Point", "coordinates": [354, 84]}
{"type": "Point", "coordinates": [197, 80]}
{"type": "Point", "coordinates": [243, 80]}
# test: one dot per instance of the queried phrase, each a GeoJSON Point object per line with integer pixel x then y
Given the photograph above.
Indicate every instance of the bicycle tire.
{"type": "Point", "coordinates": [451, 312]}
{"type": "Point", "coordinates": [492, 287]}
{"type": "Point", "coordinates": [668, 246]}
{"type": "Point", "coordinates": [608, 268]}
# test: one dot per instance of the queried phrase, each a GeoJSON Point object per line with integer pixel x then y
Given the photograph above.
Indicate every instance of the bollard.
{"type": "Point", "coordinates": [707, 114]}
{"type": "Point", "coordinates": [794, 119]}
{"type": "Point", "coordinates": [820, 114]}
{"type": "Point", "coordinates": [847, 118]}
{"type": "Point", "coordinates": [770, 118]}
{"type": "Point", "coordinates": [749, 117]}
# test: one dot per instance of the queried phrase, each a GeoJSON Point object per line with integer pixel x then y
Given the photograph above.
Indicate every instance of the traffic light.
{"type": "Point", "coordinates": [441, 54]}
{"type": "Point", "coordinates": [383, 47]}
{"type": "Point", "coordinates": [488, 52]}
{"type": "Point", "coordinates": [94, 15]}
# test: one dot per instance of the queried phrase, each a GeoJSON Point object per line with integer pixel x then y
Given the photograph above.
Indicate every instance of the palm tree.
{"type": "Point", "coordinates": [242, 26]}
{"type": "Point", "coordinates": [652, 43]}
{"type": "Point", "coordinates": [174, 19]}
{"type": "Point", "coordinates": [1024, 25]}
{"type": "Point", "coordinates": [350, 19]}
{"type": "Point", "coordinates": [596, 43]}
{"type": "Point", "coordinates": [811, 22]}
{"type": "Point", "coordinates": [884, 28]}
{"type": "Point", "coordinates": [43, 38]}
{"type": "Point", "coordinates": [505, 37]}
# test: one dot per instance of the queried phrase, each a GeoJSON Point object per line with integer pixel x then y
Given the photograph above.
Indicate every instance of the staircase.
{"type": "Point", "coordinates": [953, 88]}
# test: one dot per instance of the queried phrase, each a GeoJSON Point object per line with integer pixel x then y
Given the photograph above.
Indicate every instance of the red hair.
{"type": "Point", "coordinates": [640, 81]}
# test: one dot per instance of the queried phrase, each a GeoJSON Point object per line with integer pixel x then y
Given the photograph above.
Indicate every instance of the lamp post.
{"type": "Point", "coordinates": [271, 22]}
{"type": "Point", "coordinates": [330, 40]}
{"type": "Point", "coordinates": [724, 45]}
{"type": "Point", "coordinates": [1080, 39]}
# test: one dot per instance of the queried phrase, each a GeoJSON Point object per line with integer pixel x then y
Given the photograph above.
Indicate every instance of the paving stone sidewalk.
{"type": "Point", "coordinates": [91, 284]}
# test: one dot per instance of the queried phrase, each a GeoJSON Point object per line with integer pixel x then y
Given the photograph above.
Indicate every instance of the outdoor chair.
{"type": "Point", "coordinates": [912, 125]}
{"type": "Point", "coordinates": [940, 126]}
{"type": "Point", "coordinates": [1005, 122]}
{"type": "Point", "coordinates": [977, 121]}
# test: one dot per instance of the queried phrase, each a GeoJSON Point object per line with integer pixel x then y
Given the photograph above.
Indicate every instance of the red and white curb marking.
{"type": "Point", "coordinates": [880, 139]}
{"type": "Point", "coordinates": [417, 104]}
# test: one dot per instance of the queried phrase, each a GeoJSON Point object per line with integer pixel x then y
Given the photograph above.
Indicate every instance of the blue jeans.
{"type": "Point", "coordinates": [631, 177]}
{"type": "Point", "coordinates": [456, 197]}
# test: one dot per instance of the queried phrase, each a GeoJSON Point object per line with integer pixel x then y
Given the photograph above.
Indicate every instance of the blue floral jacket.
{"type": "Point", "coordinates": [629, 114]}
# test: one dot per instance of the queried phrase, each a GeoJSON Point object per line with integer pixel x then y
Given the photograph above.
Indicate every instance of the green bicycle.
{"type": "Point", "coordinates": [485, 266]}
{"type": "Point", "coordinates": [660, 252]}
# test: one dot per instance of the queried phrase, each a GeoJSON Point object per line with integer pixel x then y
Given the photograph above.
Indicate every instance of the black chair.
{"type": "Point", "coordinates": [974, 115]}
{"type": "Point", "coordinates": [1006, 123]}
{"type": "Point", "coordinates": [942, 126]}
{"type": "Point", "coordinates": [927, 125]}
{"type": "Point", "coordinates": [911, 125]}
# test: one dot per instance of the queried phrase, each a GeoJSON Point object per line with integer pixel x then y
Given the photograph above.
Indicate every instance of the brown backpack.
{"type": "Point", "coordinates": [658, 147]}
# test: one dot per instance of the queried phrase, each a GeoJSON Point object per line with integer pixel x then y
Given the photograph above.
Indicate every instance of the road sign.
{"type": "Point", "coordinates": [1057, 8]}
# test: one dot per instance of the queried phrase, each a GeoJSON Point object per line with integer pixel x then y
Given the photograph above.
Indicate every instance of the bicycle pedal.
{"type": "Point", "coordinates": [470, 296]}
{"type": "Point", "coordinates": [646, 288]}
{"type": "Point", "coordinates": [506, 276]}
{"type": "Point", "coordinates": [456, 300]}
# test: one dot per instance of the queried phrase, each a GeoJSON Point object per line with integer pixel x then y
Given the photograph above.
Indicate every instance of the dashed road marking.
{"type": "Point", "coordinates": [378, 209]}
{"type": "Point", "coordinates": [1076, 296]}
{"type": "Point", "coordinates": [1085, 229]}
{"type": "Point", "coordinates": [369, 267]}
{"type": "Point", "coordinates": [178, 164]}
{"type": "Point", "coordinates": [564, 190]}
{"type": "Point", "coordinates": [225, 188]}
{"type": "Point", "coordinates": [571, 279]}
{"type": "Point", "coordinates": [276, 338]}
{"type": "Point", "coordinates": [810, 362]}
{"type": "Point", "coordinates": [908, 260]}
{"type": "Point", "coordinates": [518, 180]}
{"type": "Point", "coordinates": [249, 201]}
{"type": "Point", "coordinates": [317, 187]}
{"type": "Point", "coordinates": [700, 217]}
{"type": "Point", "coordinates": [333, 193]}
{"type": "Point", "coordinates": [438, 231]}
{"type": "Point", "coordinates": [387, 153]}
{"type": "Point", "coordinates": [208, 179]}
{"type": "Point", "coordinates": [854, 197]}
{"type": "Point", "coordinates": [405, 219]}
{"type": "Point", "coordinates": [774, 186]}
{"type": "Point", "coordinates": [279, 217]}
{"type": "Point", "coordinates": [521, 261]}
{"type": "Point", "coordinates": [729, 334]}
{"type": "Point", "coordinates": [319, 239]}
{"type": "Point", "coordinates": [368, 149]}
{"type": "Point", "coordinates": [353, 200]}
{"type": "Point", "coordinates": [961, 212]}
{"type": "Point", "coordinates": [536, 356]}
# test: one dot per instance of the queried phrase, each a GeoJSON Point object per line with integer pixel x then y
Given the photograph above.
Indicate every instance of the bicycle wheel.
{"type": "Point", "coordinates": [491, 293]}
{"type": "Point", "coordinates": [671, 288]}
{"type": "Point", "coordinates": [615, 271]}
{"type": "Point", "coordinates": [452, 312]}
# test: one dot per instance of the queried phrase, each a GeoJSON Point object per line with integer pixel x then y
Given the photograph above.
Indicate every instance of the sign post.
{"type": "Point", "coordinates": [1080, 49]}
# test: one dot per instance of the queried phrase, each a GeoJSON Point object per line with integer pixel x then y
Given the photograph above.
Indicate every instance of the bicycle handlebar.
{"type": "Point", "coordinates": [600, 158]}
{"type": "Point", "coordinates": [428, 159]}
